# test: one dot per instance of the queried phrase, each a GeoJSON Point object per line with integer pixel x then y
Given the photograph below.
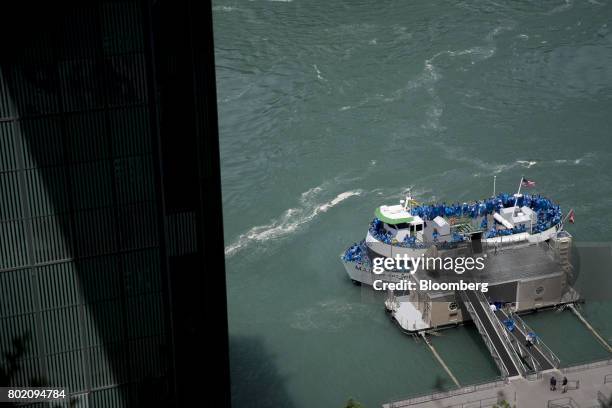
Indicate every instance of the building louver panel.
{"type": "Point", "coordinates": [80, 274]}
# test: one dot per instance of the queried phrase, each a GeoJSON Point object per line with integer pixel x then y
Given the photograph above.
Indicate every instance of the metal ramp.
{"type": "Point", "coordinates": [542, 357]}
{"type": "Point", "coordinates": [508, 347]}
{"type": "Point", "coordinates": [492, 333]}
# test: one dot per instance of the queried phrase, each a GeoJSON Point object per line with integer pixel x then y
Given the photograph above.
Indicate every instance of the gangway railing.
{"type": "Point", "coordinates": [485, 335]}
{"type": "Point", "coordinates": [516, 349]}
{"type": "Point", "coordinates": [520, 355]}
{"type": "Point", "coordinates": [540, 345]}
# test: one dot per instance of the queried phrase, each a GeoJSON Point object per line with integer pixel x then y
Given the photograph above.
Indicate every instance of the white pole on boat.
{"type": "Point", "coordinates": [517, 196]}
{"type": "Point", "coordinates": [410, 200]}
{"type": "Point", "coordinates": [494, 178]}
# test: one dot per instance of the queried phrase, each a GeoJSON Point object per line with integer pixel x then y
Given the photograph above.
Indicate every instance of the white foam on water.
{"type": "Point", "coordinates": [580, 160]}
{"type": "Point", "coordinates": [499, 168]}
{"type": "Point", "coordinates": [427, 77]}
{"type": "Point", "coordinates": [339, 198]}
{"type": "Point", "coordinates": [565, 6]}
{"type": "Point", "coordinates": [319, 76]}
{"type": "Point", "coordinates": [431, 75]}
{"type": "Point", "coordinates": [499, 29]}
{"type": "Point", "coordinates": [306, 195]}
{"type": "Point", "coordinates": [484, 52]}
{"type": "Point", "coordinates": [291, 220]}
{"type": "Point", "coordinates": [224, 8]}
{"type": "Point", "coordinates": [527, 164]}
{"type": "Point", "coordinates": [482, 108]}
{"type": "Point", "coordinates": [495, 168]}
{"type": "Point", "coordinates": [238, 95]}
{"type": "Point", "coordinates": [476, 54]}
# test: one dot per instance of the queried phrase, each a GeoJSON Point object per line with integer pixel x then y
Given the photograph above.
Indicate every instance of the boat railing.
{"type": "Point", "coordinates": [485, 336]}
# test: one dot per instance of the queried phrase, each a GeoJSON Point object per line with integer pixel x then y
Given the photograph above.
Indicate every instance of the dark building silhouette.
{"type": "Point", "coordinates": [110, 207]}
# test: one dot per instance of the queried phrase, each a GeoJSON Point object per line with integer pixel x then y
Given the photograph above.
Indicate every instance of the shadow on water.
{"type": "Point", "coordinates": [255, 380]}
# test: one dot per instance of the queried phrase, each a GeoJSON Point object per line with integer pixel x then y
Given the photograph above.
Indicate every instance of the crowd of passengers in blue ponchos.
{"type": "Point", "coordinates": [356, 253]}
{"type": "Point", "coordinates": [548, 215]}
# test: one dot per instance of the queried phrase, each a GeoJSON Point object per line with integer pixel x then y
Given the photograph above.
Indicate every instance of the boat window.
{"type": "Point", "coordinates": [402, 225]}
{"type": "Point", "coordinates": [452, 306]}
{"type": "Point", "coordinates": [418, 227]}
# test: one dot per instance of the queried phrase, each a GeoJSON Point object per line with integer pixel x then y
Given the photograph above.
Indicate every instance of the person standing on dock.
{"type": "Point", "coordinates": [553, 383]}
{"type": "Point", "coordinates": [564, 384]}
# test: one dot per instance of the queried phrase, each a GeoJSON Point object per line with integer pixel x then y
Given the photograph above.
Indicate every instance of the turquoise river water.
{"type": "Point", "coordinates": [328, 109]}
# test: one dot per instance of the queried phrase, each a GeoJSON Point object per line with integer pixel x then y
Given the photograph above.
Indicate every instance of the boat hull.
{"type": "Point", "coordinates": [361, 275]}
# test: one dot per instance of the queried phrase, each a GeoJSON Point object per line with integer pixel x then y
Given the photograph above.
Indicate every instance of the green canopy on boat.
{"type": "Point", "coordinates": [391, 221]}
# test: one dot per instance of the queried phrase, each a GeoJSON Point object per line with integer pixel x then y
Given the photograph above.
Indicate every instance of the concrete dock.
{"type": "Point", "coordinates": [587, 383]}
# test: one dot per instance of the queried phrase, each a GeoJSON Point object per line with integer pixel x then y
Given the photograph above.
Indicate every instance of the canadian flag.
{"type": "Point", "coordinates": [570, 216]}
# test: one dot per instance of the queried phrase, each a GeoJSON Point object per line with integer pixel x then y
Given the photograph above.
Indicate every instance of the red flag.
{"type": "Point", "coordinates": [528, 183]}
{"type": "Point", "coordinates": [570, 216]}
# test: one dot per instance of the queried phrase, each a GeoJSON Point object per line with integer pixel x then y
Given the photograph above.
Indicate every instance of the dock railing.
{"type": "Point", "coordinates": [488, 402]}
{"type": "Point", "coordinates": [501, 382]}
{"type": "Point", "coordinates": [435, 396]}
{"type": "Point", "coordinates": [567, 402]}
{"type": "Point", "coordinates": [586, 366]}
